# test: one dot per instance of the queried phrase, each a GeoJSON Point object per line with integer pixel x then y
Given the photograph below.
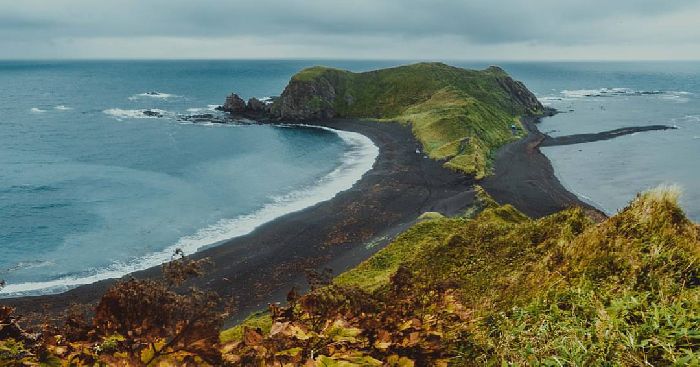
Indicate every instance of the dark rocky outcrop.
{"type": "Point", "coordinates": [150, 113]}
{"type": "Point", "coordinates": [307, 100]}
{"type": "Point", "coordinates": [234, 104]}
{"type": "Point", "coordinates": [204, 118]}
{"type": "Point", "coordinates": [321, 93]}
{"type": "Point", "coordinates": [517, 91]}
{"type": "Point", "coordinates": [257, 106]}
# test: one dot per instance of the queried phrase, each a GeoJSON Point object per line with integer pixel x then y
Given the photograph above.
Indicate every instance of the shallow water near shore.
{"type": "Point", "coordinates": [92, 188]}
{"type": "Point", "coordinates": [595, 97]}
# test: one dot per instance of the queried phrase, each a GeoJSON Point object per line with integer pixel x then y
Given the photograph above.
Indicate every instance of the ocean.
{"type": "Point", "coordinates": [595, 97]}
{"type": "Point", "coordinates": [91, 188]}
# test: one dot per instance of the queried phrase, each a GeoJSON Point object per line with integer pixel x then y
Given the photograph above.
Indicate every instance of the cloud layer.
{"type": "Point", "coordinates": [415, 29]}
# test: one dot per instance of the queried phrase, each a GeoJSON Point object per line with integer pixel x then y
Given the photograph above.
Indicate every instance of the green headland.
{"type": "Point", "coordinates": [460, 116]}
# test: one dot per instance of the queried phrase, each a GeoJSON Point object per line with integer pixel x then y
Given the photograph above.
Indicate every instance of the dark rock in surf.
{"type": "Point", "coordinates": [150, 113]}
{"type": "Point", "coordinates": [234, 104]}
{"type": "Point", "coordinates": [257, 106]}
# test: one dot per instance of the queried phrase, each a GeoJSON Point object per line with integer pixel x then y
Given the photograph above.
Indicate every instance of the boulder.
{"type": "Point", "coordinates": [234, 104]}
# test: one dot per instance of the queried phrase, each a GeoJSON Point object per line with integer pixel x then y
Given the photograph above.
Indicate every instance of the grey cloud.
{"type": "Point", "coordinates": [482, 22]}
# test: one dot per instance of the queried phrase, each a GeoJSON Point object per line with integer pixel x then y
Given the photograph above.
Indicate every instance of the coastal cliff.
{"type": "Point", "coordinates": [321, 93]}
{"type": "Point", "coordinates": [460, 116]}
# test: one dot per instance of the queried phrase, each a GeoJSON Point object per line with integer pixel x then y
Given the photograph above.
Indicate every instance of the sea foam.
{"type": "Point", "coordinates": [574, 94]}
{"type": "Point", "coordinates": [158, 95]}
{"type": "Point", "coordinates": [359, 159]}
{"type": "Point", "coordinates": [120, 114]}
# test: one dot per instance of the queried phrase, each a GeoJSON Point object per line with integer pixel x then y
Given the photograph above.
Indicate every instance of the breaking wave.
{"type": "Point", "coordinates": [153, 94]}
{"type": "Point", "coordinates": [121, 114]}
{"type": "Point", "coordinates": [569, 95]}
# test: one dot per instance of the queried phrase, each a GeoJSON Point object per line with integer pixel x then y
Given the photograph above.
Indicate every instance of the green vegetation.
{"type": "Point", "coordinates": [494, 288]}
{"type": "Point", "coordinates": [257, 320]}
{"type": "Point", "coordinates": [460, 116]}
{"type": "Point", "coordinates": [502, 289]}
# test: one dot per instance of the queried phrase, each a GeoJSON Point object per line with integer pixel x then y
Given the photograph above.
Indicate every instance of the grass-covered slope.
{"type": "Point", "coordinates": [502, 289]}
{"type": "Point", "coordinates": [495, 288]}
{"type": "Point", "coordinates": [459, 115]}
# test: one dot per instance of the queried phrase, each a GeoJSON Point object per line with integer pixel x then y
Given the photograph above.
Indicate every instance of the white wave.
{"type": "Point", "coordinates": [208, 108]}
{"type": "Point", "coordinates": [29, 265]}
{"type": "Point", "coordinates": [676, 96]}
{"type": "Point", "coordinates": [37, 110]}
{"type": "Point", "coordinates": [121, 114]}
{"type": "Point", "coordinates": [266, 100]}
{"type": "Point", "coordinates": [62, 108]}
{"type": "Point", "coordinates": [548, 100]}
{"type": "Point", "coordinates": [607, 92]}
{"type": "Point", "coordinates": [355, 163]}
{"type": "Point", "coordinates": [153, 94]}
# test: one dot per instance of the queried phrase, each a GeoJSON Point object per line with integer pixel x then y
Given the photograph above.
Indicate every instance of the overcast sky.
{"type": "Point", "coordinates": [369, 29]}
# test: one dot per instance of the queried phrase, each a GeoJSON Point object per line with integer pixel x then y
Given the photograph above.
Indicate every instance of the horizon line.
{"type": "Point", "coordinates": [341, 59]}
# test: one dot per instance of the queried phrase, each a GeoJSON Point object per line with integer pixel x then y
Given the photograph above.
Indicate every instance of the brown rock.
{"type": "Point", "coordinates": [234, 104]}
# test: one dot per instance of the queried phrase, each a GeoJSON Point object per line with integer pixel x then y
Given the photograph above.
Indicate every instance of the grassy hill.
{"type": "Point", "coordinates": [502, 289]}
{"type": "Point", "coordinates": [492, 288]}
{"type": "Point", "coordinates": [460, 116]}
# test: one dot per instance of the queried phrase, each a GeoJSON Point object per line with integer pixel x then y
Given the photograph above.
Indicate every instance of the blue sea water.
{"type": "Point", "coordinates": [595, 97]}
{"type": "Point", "coordinates": [90, 188]}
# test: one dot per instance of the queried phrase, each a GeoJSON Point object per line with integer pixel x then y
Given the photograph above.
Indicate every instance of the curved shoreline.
{"type": "Point", "coordinates": [360, 157]}
{"type": "Point", "coordinates": [262, 266]}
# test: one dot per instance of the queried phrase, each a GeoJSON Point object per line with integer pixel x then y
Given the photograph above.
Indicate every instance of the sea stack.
{"type": "Point", "coordinates": [234, 104]}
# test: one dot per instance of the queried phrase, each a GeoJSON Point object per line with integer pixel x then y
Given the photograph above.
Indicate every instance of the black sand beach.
{"type": "Point", "coordinates": [524, 177]}
{"type": "Point", "coordinates": [263, 266]}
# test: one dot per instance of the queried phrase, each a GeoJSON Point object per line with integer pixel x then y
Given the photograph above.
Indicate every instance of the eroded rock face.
{"type": "Point", "coordinates": [517, 91]}
{"type": "Point", "coordinates": [234, 104]}
{"type": "Point", "coordinates": [257, 106]}
{"type": "Point", "coordinates": [307, 100]}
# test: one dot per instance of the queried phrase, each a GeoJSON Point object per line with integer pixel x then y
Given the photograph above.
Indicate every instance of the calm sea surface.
{"type": "Point", "coordinates": [91, 188]}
